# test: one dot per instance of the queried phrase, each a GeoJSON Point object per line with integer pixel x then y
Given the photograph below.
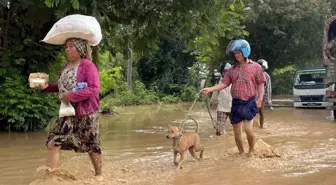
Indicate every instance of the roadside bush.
{"type": "Point", "coordinates": [188, 93]}
{"type": "Point", "coordinates": [144, 96]}
{"type": "Point", "coordinates": [170, 99]}
{"type": "Point", "coordinates": [24, 109]}
{"type": "Point", "coordinates": [110, 80]}
{"type": "Point", "coordinates": [283, 79]}
{"type": "Point", "coordinates": [138, 96]}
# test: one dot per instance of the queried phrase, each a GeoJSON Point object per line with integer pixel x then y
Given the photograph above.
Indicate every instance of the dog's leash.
{"type": "Point", "coordinates": [206, 102]}
{"type": "Point", "coordinates": [213, 121]}
{"type": "Point", "coordinates": [183, 122]}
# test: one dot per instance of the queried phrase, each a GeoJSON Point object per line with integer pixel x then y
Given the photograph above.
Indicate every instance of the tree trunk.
{"type": "Point", "coordinates": [129, 67]}
{"type": "Point", "coordinates": [95, 56]}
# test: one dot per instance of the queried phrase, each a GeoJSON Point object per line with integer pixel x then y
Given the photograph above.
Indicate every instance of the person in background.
{"type": "Point", "coordinates": [223, 100]}
{"type": "Point", "coordinates": [215, 77]}
{"type": "Point", "coordinates": [247, 79]}
{"type": "Point", "coordinates": [79, 85]}
{"type": "Point", "coordinates": [267, 99]}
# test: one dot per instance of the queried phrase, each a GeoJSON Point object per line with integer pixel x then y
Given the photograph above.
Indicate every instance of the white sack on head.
{"type": "Point", "coordinates": [75, 26]}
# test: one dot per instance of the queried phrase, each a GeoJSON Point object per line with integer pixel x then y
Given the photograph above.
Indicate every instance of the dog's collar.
{"type": "Point", "coordinates": [178, 136]}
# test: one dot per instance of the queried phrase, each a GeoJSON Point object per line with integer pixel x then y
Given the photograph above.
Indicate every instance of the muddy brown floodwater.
{"type": "Point", "coordinates": [297, 146]}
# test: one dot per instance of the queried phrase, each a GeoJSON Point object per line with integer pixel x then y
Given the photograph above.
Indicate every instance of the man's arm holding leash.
{"type": "Point", "coordinates": [226, 81]}
{"type": "Point", "coordinates": [217, 87]}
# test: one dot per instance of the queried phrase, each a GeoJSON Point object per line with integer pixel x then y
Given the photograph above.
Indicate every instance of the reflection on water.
{"type": "Point", "coordinates": [136, 151]}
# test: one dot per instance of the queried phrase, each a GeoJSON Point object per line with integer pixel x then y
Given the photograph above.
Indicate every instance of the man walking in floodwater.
{"type": "Point", "coordinates": [267, 99]}
{"type": "Point", "coordinates": [247, 81]}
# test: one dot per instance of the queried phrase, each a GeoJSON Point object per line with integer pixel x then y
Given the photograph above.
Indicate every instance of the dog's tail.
{"type": "Point", "coordinates": [196, 124]}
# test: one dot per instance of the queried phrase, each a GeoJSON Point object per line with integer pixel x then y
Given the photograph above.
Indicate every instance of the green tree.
{"type": "Point", "coordinates": [198, 23]}
{"type": "Point", "coordinates": [167, 69]}
{"type": "Point", "coordinates": [286, 32]}
{"type": "Point", "coordinates": [23, 24]}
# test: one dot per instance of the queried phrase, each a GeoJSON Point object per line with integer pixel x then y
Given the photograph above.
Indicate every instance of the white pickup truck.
{"type": "Point", "coordinates": [309, 89]}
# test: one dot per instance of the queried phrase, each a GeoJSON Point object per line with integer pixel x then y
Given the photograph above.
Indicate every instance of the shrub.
{"type": "Point", "coordinates": [138, 96]}
{"type": "Point", "coordinates": [283, 79]}
{"type": "Point", "coordinates": [23, 109]}
{"type": "Point", "coordinates": [188, 93]}
{"type": "Point", "coordinates": [170, 99]}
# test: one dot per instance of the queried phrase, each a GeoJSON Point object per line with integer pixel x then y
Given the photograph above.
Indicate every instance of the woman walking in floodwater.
{"type": "Point", "coordinates": [247, 81]}
{"type": "Point", "coordinates": [78, 84]}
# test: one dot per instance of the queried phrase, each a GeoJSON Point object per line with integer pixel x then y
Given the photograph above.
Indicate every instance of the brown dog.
{"type": "Point", "coordinates": [183, 141]}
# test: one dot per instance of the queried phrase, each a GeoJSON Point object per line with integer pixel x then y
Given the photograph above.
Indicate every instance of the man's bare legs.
{"type": "Point", "coordinates": [248, 128]}
{"type": "Point", "coordinates": [237, 129]}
